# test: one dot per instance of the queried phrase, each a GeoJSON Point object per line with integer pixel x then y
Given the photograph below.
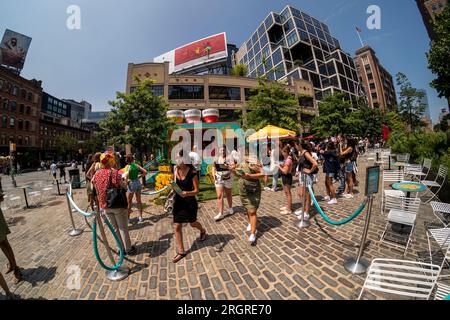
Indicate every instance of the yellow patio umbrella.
{"type": "Point", "coordinates": [272, 132]}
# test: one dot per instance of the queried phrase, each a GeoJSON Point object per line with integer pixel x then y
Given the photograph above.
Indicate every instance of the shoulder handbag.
{"type": "Point", "coordinates": [116, 198]}
{"type": "Point", "coordinates": [170, 200]}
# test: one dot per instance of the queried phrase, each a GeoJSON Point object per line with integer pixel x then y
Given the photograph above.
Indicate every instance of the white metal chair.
{"type": "Point", "coordinates": [442, 291]}
{"type": "Point", "coordinates": [15, 203]}
{"type": "Point", "coordinates": [419, 172]}
{"type": "Point", "coordinates": [441, 237]}
{"type": "Point", "coordinates": [389, 177]}
{"type": "Point", "coordinates": [35, 198]}
{"type": "Point", "coordinates": [403, 158]}
{"type": "Point", "coordinates": [442, 212]}
{"type": "Point", "coordinates": [403, 211]}
{"type": "Point", "coordinates": [401, 278]}
{"type": "Point", "coordinates": [437, 183]}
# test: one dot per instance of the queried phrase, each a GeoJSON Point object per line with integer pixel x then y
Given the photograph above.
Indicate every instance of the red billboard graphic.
{"type": "Point", "coordinates": [200, 49]}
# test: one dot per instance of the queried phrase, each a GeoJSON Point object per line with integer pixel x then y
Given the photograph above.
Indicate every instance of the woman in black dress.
{"type": "Point", "coordinates": [185, 205]}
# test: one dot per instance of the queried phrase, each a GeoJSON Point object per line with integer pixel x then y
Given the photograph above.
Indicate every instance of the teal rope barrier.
{"type": "Point", "coordinates": [327, 219]}
{"type": "Point", "coordinates": [73, 204]}
{"type": "Point", "coordinates": [94, 237]}
{"type": "Point", "coordinates": [119, 244]}
{"type": "Point", "coordinates": [154, 193]}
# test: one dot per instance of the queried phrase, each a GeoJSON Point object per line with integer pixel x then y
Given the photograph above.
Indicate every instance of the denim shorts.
{"type": "Point", "coordinates": [349, 167]}
{"type": "Point", "coordinates": [330, 174]}
{"type": "Point", "coordinates": [134, 186]}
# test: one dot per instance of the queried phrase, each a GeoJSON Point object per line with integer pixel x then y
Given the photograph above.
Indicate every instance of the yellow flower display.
{"type": "Point", "coordinates": [164, 169]}
{"type": "Point", "coordinates": [163, 180]}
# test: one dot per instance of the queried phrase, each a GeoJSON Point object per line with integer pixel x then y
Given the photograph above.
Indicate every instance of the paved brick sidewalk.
{"type": "Point", "coordinates": [287, 263]}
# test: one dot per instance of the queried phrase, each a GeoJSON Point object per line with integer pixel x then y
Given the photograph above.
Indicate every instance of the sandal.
{"type": "Point", "coordinates": [9, 268]}
{"type": "Point", "coordinates": [179, 257]}
{"type": "Point", "coordinates": [202, 236]}
{"type": "Point", "coordinates": [17, 275]}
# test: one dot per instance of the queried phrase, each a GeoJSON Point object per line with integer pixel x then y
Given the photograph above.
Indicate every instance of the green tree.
{"type": "Point", "coordinates": [443, 125]}
{"type": "Point", "coordinates": [272, 104]}
{"type": "Point", "coordinates": [333, 111]}
{"type": "Point", "coordinates": [239, 70]}
{"type": "Point", "coordinates": [365, 122]}
{"type": "Point", "coordinates": [411, 108]}
{"type": "Point", "coordinates": [93, 144]}
{"type": "Point", "coordinates": [439, 54]}
{"type": "Point", "coordinates": [138, 119]}
{"type": "Point", "coordinates": [66, 145]}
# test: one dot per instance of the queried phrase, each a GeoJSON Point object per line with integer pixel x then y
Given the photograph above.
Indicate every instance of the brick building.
{"type": "Point", "coordinates": [19, 117]}
{"type": "Point", "coordinates": [376, 81]}
{"type": "Point", "coordinates": [429, 9]}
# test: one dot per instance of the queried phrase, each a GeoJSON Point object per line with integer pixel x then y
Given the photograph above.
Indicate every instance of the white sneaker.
{"type": "Point", "coordinates": [285, 212]}
{"type": "Point", "coordinates": [249, 228]}
{"type": "Point", "coordinates": [348, 196]}
{"type": "Point", "coordinates": [266, 189]}
{"type": "Point", "coordinates": [218, 217]}
{"type": "Point", "coordinates": [283, 208]}
{"type": "Point", "coordinates": [230, 211]}
{"type": "Point", "coordinates": [298, 212]}
{"type": "Point", "coordinates": [333, 201]}
{"type": "Point", "coordinates": [326, 198]}
{"type": "Point", "coordinates": [252, 238]}
{"type": "Point", "coordinates": [141, 220]}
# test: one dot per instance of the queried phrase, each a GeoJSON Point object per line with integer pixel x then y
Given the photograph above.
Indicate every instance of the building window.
{"type": "Point", "coordinates": [292, 38]}
{"type": "Point", "coordinates": [27, 141]}
{"type": "Point", "coordinates": [27, 125]}
{"type": "Point", "coordinates": [374, 96]}
{"type": "Point", "coordinates": [370, 76]}
{"type": "Point", "coordinates": [20, 124]}
{"type": "Point", "coordinates": [187, 92]}
{"type": "Point", "coordinates": [277, 57]}
{"type": "Point", "coordinates": [13, 106]}
{"type": "Point", "coordinates": [30, 96]}
{"type": "Point", "coordinates": [249, 92]}
{"type": "Point", "coordinates": [28, 112]}
{"type": "Point", "coordinates": [4, 121]}
{"type": "Point", "coordinates": [1, 84]}
{"type": "Point", "coordinates": [372, 86]}
{"type": "Point", "coordinates": [15, 90]}
{"type": "Point", "coordinates": [3, 140]}
{"type": "Point", "coordinates": [157, 91]}
{"type": "Point", "coordinates": [224, 93]}
{"type": "Point", "coordinates": [12, 122]}
{"type": "Point", "coordinates": [21, 109]}
{"type": "Point", "coordinates": [19, 140]}
{"type": "Point", "coordinates": [5, 104]}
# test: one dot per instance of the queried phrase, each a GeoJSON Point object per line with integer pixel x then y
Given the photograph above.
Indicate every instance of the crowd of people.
{"type": "Point", "coordinates": [292, 161]}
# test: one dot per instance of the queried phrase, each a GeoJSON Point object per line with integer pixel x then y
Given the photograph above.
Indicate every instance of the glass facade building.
{"type": "Point", "coordinates": [294, 45]}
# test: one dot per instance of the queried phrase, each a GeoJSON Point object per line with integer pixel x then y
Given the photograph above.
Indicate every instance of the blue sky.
{"type": "Point", "coordinates": [91, 63]}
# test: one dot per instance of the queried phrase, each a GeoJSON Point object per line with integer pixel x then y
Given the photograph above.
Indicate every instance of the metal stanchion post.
{"type": "Point", "coordinates": [303, 222]}
{"type": "Point", "coordinates": [57, 187]}
{"type": "Point", "coordinates": [73, 198]}
{"type": "Point", "coordinates": [74, 232]}
{"type": "Point", "coordinates": [115, 275]}
{"type": "Point", "coordinates": [360, 265]}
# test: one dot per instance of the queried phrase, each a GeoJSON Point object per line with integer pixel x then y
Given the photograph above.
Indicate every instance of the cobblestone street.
{"type": "Point", "coordinates": [286, 263]}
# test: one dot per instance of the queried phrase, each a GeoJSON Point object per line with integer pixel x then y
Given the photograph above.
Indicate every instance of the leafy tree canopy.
{"type": "Point", "coordinates": [138, 118]}
{"type": "Point", "coordinates": [439, 54]}
{"type": "Point", "coordinates": [272, 104]}
{"type": "Point", "coordinates": [410, 108]}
